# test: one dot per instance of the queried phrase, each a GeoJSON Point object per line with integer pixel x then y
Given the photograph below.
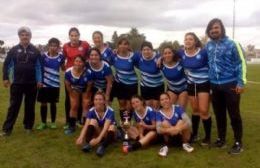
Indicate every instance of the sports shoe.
{"type": "Point", "coordinates": [86, 148]}
{"type": "Point", "coordinates": [52, 126]}
{"type": "Point", "coordinates": [100, 151]}
{"type": "Point", "coordinates": [5, 134]}
{"type": "Point", "coordinates": [236, 149]}
{"type": "Point", "coordinates": [66, 126]}
{"type": "Point", "coordinates": [41, 126]}
{"type": "Point", "coordinates": [187, 147]}
{"type": "Point", "coordinates": [163, 151]}
{"type": "Point", "coordinates": [69, 131]}
{"type": "Point", "coordinates": [205, 142]}
{"type": "Point", "coordinates": [220, 144]}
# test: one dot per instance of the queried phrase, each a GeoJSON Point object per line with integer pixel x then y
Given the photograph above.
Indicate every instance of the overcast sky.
{"type": "Point", "coordinates": [159, 20]}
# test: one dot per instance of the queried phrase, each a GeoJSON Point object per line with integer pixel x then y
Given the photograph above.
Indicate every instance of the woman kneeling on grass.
{"type": "Point", "coordinates": [144, 132]}
{"type": "Point", "coordinates": [100, 126]}
{"type": "Point", "coordinates": [172, 122]}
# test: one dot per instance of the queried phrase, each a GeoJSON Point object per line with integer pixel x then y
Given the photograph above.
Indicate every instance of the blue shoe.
{"type": "Point", "coordinates": [69, 131]}
{"type": "Point", "coordinates": [86, 148]}
{"type": "Point", "coordinates": [100, 151]}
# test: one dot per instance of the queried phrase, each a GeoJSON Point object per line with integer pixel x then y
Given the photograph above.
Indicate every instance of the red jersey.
{"type": "Point", "coordinates": [70, 52]}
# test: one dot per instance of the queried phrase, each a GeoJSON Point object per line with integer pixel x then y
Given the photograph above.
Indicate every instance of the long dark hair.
{"type": "Point", "coordinates": [175, 57]}
{"type": "Point", "coordinates": [211, 23]}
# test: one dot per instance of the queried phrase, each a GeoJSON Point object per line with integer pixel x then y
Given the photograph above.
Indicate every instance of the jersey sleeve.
{"type": "Point", "coordinates": [136, 58]}
{"type": "Point", "coordinates": [107, 70]}
{"type": "Point", "coordinates": [153, 115]}
{"type": "Point", "coordinates": [180, 111]}
{"type": "Point", "coordinates": [90, 115]}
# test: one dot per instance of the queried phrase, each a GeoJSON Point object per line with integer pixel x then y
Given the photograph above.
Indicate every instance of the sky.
{"type": "Point", "coordinates": [158, 20]}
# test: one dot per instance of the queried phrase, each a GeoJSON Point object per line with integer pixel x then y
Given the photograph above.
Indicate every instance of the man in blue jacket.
{"type": "Point", "coordinates": [23, 65]}
{"type": "Point", "coordinates": [227, 73]}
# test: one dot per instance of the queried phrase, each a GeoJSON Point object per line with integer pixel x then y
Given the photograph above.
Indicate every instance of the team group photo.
{"type": "Point", "coordinates": [129, 103]}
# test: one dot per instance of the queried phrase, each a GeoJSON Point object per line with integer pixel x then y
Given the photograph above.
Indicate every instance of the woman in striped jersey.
{"type": "Point", "coordinates": [125, 84]}
{"type": "Point", "coordinates": [194, 60]}
{"type": "Point", "coordinates": [101, 73]}
{"type": "Point", "coordinates": [152, 84]}
{"type": "Point", "coordinates": [175, 77]}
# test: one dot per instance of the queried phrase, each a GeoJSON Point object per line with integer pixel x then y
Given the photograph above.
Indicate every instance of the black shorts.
{"type": "Point", "coordinates": [176, 92]}
{"type": "Point", "coordinates": [48, 95]}
{"type": "Point", "coordinates": [149, 93]}
{"type": "Point", "coordinates": [123, 91]}
{"type": "Point", "coordinates": [194, 89]}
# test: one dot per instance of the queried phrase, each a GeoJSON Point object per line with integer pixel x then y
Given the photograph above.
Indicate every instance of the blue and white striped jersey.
{"type": "Point", "coordinates": [51, 69]}
{"type": "Point", "coordinates": [151, 76]}
{"type": "Point", "coordinates": [175, 77]}
{"type": "Point", "coordinates": [195, 66]}
{"type": "Point", "coordinates": [124, 66]}
{"type": "Point", "coordinates": [99, 75]}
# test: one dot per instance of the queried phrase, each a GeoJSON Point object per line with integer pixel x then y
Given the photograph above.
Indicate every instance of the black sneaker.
{"type": "Point", "coordinates": [205, 142]}
{"type": "Point", "coordinates": [100, 151]}
{"type": "Point", "coordinates": [236, 149]}
{"type": "Point", "coordinates": [220, 144]}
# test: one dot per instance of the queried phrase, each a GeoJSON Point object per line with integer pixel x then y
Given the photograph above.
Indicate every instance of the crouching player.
{"type": "Point", "coordinates": [144, 132]}
{"type": "Point", "coordinates": [99, 128]}
{"type": "Point", "coordinates": [172, 122]}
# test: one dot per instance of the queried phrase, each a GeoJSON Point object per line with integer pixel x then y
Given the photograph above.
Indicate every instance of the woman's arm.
{"type": "Point", "coordinates": [109, 80]}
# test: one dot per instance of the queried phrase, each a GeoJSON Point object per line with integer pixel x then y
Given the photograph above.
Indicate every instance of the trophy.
{"type": "Point", "coordinates": [126, 125]}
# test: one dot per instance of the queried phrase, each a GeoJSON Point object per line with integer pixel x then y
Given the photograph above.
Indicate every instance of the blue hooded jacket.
{"type": "Point", "coordinates": [226, 62]}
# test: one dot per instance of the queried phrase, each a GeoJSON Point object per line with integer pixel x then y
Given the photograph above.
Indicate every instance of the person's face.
{"type": "Point", "coordinates": [137, 104]}
{"type": "Point", "coordinates": [165, 101]}
{"type": "Point", "coordinates": [53, 48]}
{"type": "Point", "coordinates": [123, 46]}
{"type": "Point", "coordinates": [167, 55]}
{"type": "Point", "coordinates": [74, 37]}
{"type": "Point", "coordinates": [97, 39]}
{"type": "Point", "coordinates": [99, 101]}
{"type": "Point", "coordinates": [147, 52]}
{"type": "Point", "coordinates": [25, 38]}
{"type": "Point", "coordinates": [94, 57]}
{"type": "Point", "coordinates": [189, 42]}
{"type": "Point", "coordinates": [215, 31]}
{"type": "Point", "coordinates": [78, 63]}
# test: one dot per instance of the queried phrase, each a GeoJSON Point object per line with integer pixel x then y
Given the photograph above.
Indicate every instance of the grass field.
{"type": "Point", "coordinates": [51, 148]}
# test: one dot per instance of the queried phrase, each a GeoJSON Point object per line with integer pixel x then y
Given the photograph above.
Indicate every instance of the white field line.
{"type": "Point", "coordinates": [254, 82]}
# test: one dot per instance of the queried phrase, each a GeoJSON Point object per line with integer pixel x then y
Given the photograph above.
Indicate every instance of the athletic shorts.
{"type": "Point", "coordinates": [152, 93]}
{"type": "Point", "coordinates": [123, 91]}
{"type": "Point", "coordinates": [194, 89]}
{"type": "Point", "coordinates": [176, 92]}
{"type": "Point", "coordinates": [48, 95]}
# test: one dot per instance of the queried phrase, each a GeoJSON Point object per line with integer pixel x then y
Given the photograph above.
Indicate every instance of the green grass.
{"type": "Point", "coordinates": [51, 148]}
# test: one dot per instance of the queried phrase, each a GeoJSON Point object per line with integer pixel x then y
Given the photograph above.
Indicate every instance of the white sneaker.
{"type": "Point", "coordinates": [163, 151]}
{"type": "Point", "coordinates": [187, 147]}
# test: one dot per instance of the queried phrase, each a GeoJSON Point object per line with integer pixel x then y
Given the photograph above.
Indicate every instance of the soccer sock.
{"type": "Point", "coordinates": [72, 122]}
{"type": "Point", "coordinates": [90, 132]}
{"type": "Point", "coordinates": [207, 127]}
{"type": "Point", "coordinates": [136, 145]}
{"type": "Point", "coordinates": [109, 138]}
{"type": "Point", "coordinates": [195, 124]}
{"type": "Point", "coordinates": [53, 112]}
{"type": "Point", "coordinates": [44, 113]}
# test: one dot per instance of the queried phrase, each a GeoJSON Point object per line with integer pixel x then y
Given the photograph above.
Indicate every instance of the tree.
{"type": "Point", "coordinates": [136, 39]}
{"type": "Point", "coordinates": [204, 40]}
{"type": "Point", "coordinates": [114, 40]}
{"type": "Point", "coordinates": [175, 45]}
{"type": "Point", "coordinates": [250, 51]}
{"type": "Point", "coordinates": [2, 49]}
